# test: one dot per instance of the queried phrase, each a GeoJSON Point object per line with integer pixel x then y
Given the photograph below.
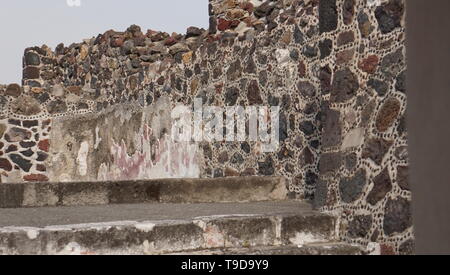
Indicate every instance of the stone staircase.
{"type": "Point", "coordinates": [232, 216]}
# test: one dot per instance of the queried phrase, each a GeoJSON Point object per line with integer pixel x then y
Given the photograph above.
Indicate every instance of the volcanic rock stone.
{"type": "Point", "coordinates": [267, 167]}
{"type": "Point", "coordinates": [389, 16]}
{"type": "Point", "coordinates": [178, 48]}
{"type": "Point", "coordinates": [254, 93]}
{"type": "Point", "coordinates": [332, 132]}
{"type": "Point", "coordinates": [306, 89]}
{"type": "Point", "coordinates": [13, 90]}
{"type": "Point", "coordinates": [298, 35]}
{"type": "Point", "coordinates": [24, 164]}
{"type": "Point", "coordinates": [310, 51]}
{"type": "Point", "coordinates": [365, 26]}
{"type": "Point", "coordinates": [231, 96]}
{"type": "Point", "coordinates": [345, 38]}
{"type": "Point", "coordinates": [328, 15]}
{"type": "Point", "coordinates": [388, 114]}
{"type": "Point", "coordinates": [32, 59]}
{"type": "Point", "coordinates": [376, 149]}
{"type": "Point", "coordinates": [307, 127]}
{"type": "Point", "coordinates": [325, 47]}
{"type": "Point", "coordinates": [352, 188]}
{"type": "Point", "coordinates": [234, 71]}
{"type": "Point", "coordinates": [360, 226]}
{"type": "Point", "coordinates": [42, 156]}
{"type": "Point", "coordinates": [400, 83]}
{"type": "Point", "coordinates": [390, 64]}
{"type": "Point", "coordinates": [379, 86]}
{"type": "Point", "coordinates": [382, 186]}
{"type": "Point", "coordinates": [345, 86]}
{"type": "Point", "coordinates": [330, 162]}
{"type": "Point", "coordinates": [193, 32]}
{"type": "Point", "coordinates": [402, 177]}
{"type": "Point", "coordinates": [35, 178]}
{"type": "Point", "coordinates": [31, 73]}
{"type": "Point", "coordinates": [369, 64]}
{"type": "Point", "coordinates": [5, 165]}
{"type": "Point", "coordinates": [264, 9]}
{"type": "Point", "coordinates": [397, 216]}
{"type": "Point", "coordinates": [407, 248]}
{"type": "Point", "coordinates": [348, 11]}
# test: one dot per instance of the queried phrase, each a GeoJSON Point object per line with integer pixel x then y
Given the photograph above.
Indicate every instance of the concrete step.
{"type": "Point", "coordinates": [164, 228]}
{"type": "Point", "coordinates": [326, 248]}
{"type": "Point", "coordinates": [238, 189]}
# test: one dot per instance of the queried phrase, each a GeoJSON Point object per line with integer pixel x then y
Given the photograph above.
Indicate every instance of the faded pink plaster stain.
{"type": "Point", "coordinates": [160, 158]}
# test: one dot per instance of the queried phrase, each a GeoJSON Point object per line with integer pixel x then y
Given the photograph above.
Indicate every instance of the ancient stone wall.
{"type": "Point", "coordinates": [364, 161]}
{"type": "Point", "coordinates": [100, 109]}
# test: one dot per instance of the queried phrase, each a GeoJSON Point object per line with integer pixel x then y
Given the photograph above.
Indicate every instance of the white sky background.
{"type": "Point", "coordinates": [26, 23]}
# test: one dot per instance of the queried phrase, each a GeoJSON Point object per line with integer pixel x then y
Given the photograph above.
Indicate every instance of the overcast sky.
{"type": "Point", "coordinates": [25, 23]}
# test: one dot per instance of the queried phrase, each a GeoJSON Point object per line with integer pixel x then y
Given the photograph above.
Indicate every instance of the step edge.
{"type": "Point", "coordinates": [202, 235]}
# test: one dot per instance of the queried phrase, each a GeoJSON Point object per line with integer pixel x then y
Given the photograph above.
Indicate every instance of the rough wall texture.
{"type": "Point", "coordinates": [100, 110]}
{"type": "Point", "coordinates": [364, 161]}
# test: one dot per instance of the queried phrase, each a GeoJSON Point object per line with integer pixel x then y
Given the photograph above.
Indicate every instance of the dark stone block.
{"type": "Point", "coordinates": [298, 36]}
{"type": "Point", "coordinates": [352, 188]}
{"type": "Point", "coordinates": [307, 127]}
{"type": "Point", "coordinates": [389, 16]}
{"type": "Point", "coordinates": [266, 168]}
{"type": "Point", "coordinates": [321, 194]}
{"type": "Point", "coordinates": [348, 11]}
{"type": "Point", "coordinates": [360, 226]}
{"type": "Point", "coordinates": [382, 185]}
{"type": "Point", "coordinates": [311, 178]}
{"type": "Point", "coordinates": [310, 51]}
{"type": "Point", "coordinates": [328, 17]}
{"type": "Point", "coordinates": [345, 38]}
{"type": "Point", "coordinates": [364, 24]}
{"type": "Point", "coordinates": [407, 247]}
{"type": "Point", "coordinates": [306, 89]}
{"type": "Point", "coordinates": [30, 123]}
{"type": "Point", "coordinates": [376, 149]}
{"type": "Point", "coordinates": [400, 83]}
{"type": "Point", "coordinates": [325, 47]}
{"type": "Point", "coordinates": [32, 59]}
{"type": "Point", "coordinates": [332, 132]}
{"type": "Point", "coordinates": [24, 164]}
{"type": "Point", "coordinates": [31, 73]}
{"type": "Point", "coordinates": [234, 71]}
{"type": "Point", "coordinates": [231, 96]}
{"type": "Point", "coordinates": [330, 162]}
{"type": "Point", "coordinates": [264, 9]}
{"type": "Point", "coordinates": [254, 93]}
{"type": "Point", "coordinates": [345, 86]}
{"type": "Point", "coordinates": [403, 177]}
{"type": "Point", "coordinates": [397, 216]}
{"type": "Point", "coordinates": [391, 64]}
{"type": "Point", "coordinates": [325, 76]}
{"type": "Point", "coordinates": [379, 86]}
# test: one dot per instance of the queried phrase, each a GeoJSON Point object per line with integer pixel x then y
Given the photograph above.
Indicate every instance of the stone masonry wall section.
{"type": "Point", "coordinates": [364, 161]}
{"type": "Point", "coordinates": [100, 109]}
